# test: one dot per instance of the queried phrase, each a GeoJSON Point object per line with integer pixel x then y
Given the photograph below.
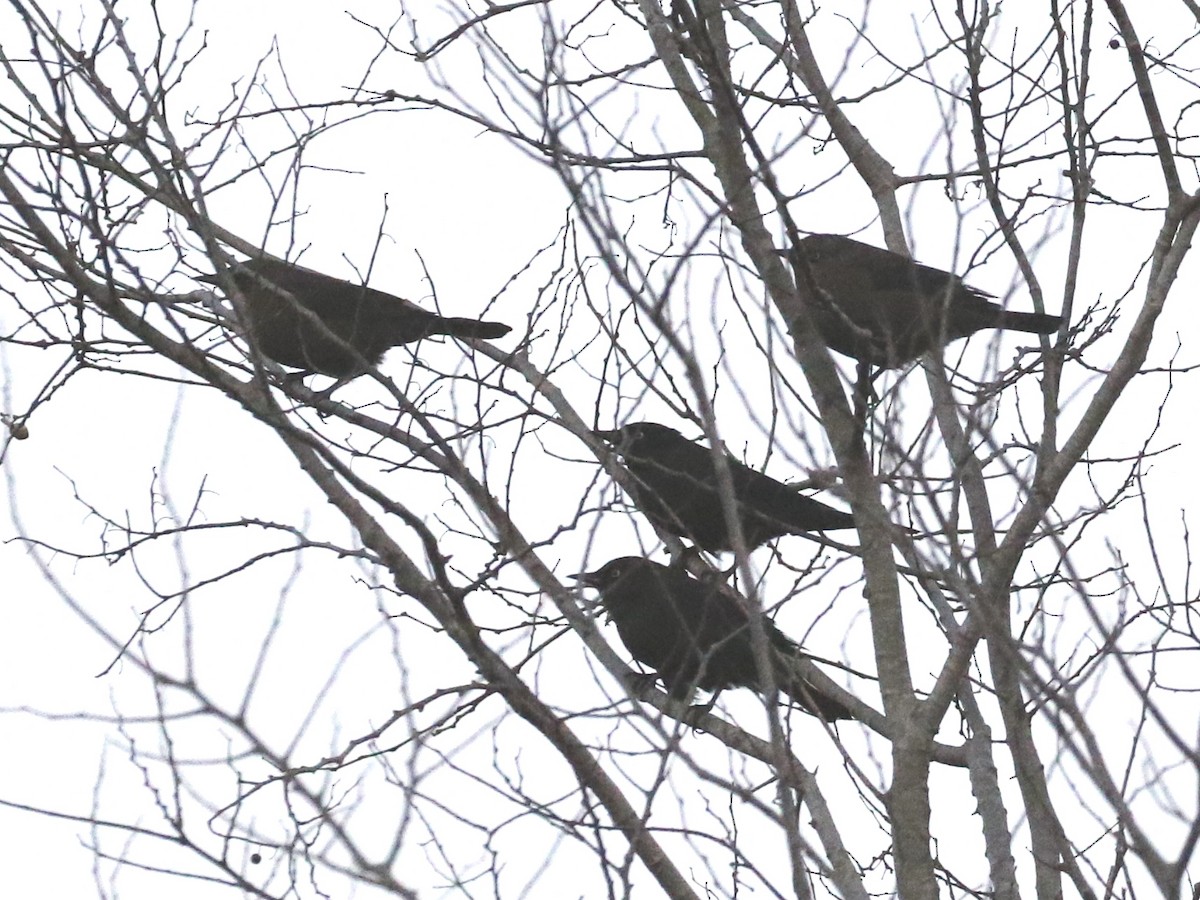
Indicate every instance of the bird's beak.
{"type": "Point", "coordinates": [613, 437]}
{"type": "Point", "coordinates": [587, 578]}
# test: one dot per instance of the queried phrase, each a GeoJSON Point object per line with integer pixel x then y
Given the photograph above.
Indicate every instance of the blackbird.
{"type": "Point", "coordinates": [675, 485]}
{"type": "Point", "coordinates": [360, 323]}
{"type": "Point", "coordinates": [886, 310]}
{"type": "Point", "coordinates": [694, 635]}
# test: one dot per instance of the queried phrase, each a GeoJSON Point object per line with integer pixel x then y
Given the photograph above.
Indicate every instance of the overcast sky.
{"type": "Point", "coordinates": [462, 212]}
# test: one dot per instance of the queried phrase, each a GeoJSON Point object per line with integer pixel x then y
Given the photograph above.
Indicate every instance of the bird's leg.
{"type": "Point", "coordinates": [722, 576]}
{"type": "Point", "coordinates": [287, 380]}
{"type": "Point", "coordinates": [685, 557]}
{"type": "Point", "coordinates": [712, 574]}
{"type": "Point", "coordinates": [297, 377]}
{"type": "Point", "coordinates": [640, 683]}
{"type": "Point", "coordinates": [319, 396]}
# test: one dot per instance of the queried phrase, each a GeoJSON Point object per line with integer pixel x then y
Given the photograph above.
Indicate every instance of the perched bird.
{"type": "Point", "coordinates": [884, 309]}
{"type": "Point", "coordinates": [360, 323]}
{"type": "Point", "coordinates": [694, 635]}
{"type": "Point", "coordinates": [675, 485]}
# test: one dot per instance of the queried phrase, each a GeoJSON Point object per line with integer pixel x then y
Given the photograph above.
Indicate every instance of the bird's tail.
{"type": "Point", "coordinates": [816, 516]}
{"type": "Point", "coordinates": [791, 667]}
{"type": "Point", "coordinates": [471, 328]}
{"type": "Point", "coordinates": [812, 701]}
{"type": "Point", "coordinates": [1031, 323]}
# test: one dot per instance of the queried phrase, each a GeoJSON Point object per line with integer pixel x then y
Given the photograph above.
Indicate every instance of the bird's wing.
{"type": "Point", "coordinates": [678, 475]}
{"type": "Point", "coordinates": [890, 271]}
{"type": "Point", "coordinates": [754, 488]}
{"type": "Point", "coordinates": [713, 618]}
{"type": "Point", "coordinates": [775, 500]}
{"type": "Point", "coordinates": [330, 297]}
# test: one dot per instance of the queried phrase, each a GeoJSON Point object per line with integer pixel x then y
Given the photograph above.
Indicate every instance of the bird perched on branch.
{"type": "Point", "coordinates": [306, 320]}
{"type": "Point", "coordinates": [695, 635]}
{"type": "Point", "coordinates": [884, 309]}
{"type": "Point", "coordinates": [675, 484]}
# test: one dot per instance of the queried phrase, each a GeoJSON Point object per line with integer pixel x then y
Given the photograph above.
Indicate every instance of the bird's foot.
{"type": "Point", "coordinates": [709, 575]}
{"type": "Point", "coordinates": [694, 717]}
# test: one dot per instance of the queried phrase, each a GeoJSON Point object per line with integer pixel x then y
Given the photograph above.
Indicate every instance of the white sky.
{"type": "Point", "coordinates": [475, 210]}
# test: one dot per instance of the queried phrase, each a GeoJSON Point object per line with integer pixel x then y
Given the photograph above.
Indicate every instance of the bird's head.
{"type": "Point", "coordinates": [825, 247]}
{"type": "Point", "coordinates": [246, 272]}
{"type": "Point", "coordinates": [638, 437]}
{"type": "Point", "coordinates": [611, 572]}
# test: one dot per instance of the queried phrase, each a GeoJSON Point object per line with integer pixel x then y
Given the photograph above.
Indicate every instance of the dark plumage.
{"type": "Point", "coordinates": [694, 635]}
{"type": "Point", "coordinates": [370, 322]}
{"type": "Point", "coordinates": [886, 310]}
{"type": "Point", "coordinates": [675, 485]}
